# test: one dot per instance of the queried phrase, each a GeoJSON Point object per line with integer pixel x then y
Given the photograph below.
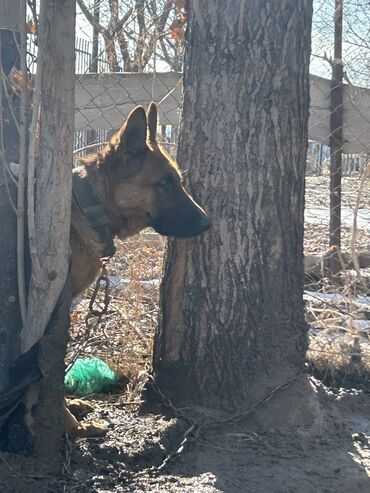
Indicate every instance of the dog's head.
{"type": "Point", "coordinates": [145, 185]}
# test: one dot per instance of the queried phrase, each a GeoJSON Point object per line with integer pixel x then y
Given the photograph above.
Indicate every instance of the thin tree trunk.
{"type": "Point", "coordinates": [54, 171]}
{"type": "Point", "coordinates": [94, 65]}
{"type": "Point", "coordinates": [95, 39]}
{"type": "Point", "coordinates": [336, 138]}
{"type": "Point", "coordinates": [37, 425]}
{"type": "Point", "coordinates": [232, 324]}
{"type": "Point", "coordinates": [50, 293]}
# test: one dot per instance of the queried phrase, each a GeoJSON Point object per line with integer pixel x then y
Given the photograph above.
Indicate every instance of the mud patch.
{"type": "Point", "coordinates": [231, 460]}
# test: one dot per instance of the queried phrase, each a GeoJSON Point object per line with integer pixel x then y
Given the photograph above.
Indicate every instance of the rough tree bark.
{"type": "Point", "coordinates": [54, 84]}
{"type": "Point", "coordinates": [33, 420]}
{"type": "Point", "coordinates": [49, 291]}
{"type": "Point", "coordinates": [232, 324]}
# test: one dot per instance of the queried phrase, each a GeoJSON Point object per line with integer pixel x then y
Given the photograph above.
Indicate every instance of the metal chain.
{"type": "Point", "coordinates": [102, 282]}
{"type": "Point", "coordinates": [96, 309]}
{"type": "Point", "coordinates": [192, 433]}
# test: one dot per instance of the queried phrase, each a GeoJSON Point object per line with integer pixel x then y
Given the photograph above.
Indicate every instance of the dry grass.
{"type": "Point", "coordinates": [124, 337]}
{"type": "Point", "coordinates": [339, 345]}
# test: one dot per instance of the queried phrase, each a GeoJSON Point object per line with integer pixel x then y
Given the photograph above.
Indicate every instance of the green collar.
{"type": "Point", "coordinates": [93, 210]}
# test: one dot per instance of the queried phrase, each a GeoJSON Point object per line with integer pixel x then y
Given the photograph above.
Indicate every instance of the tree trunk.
{"type": "Point", "coordinates": [94, 65]}
{"type": "Point", "coordinates": [336, 138]}
{"type": "Point", "coordinates": [55, 82]}
{"type": "Point", "coordinates": [50, 292]}
{"type": "Point", "coordinates": [232, 324]}
{"type": "Point", "coordinates": [37, 423]}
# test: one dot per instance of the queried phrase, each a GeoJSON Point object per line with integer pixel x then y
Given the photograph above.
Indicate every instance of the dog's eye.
{"type": "Point", "coordinates": [166, 182]}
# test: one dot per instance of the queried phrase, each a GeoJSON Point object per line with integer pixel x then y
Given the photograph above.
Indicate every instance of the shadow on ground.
{"type": "Point", "coordinates": [221, 460]}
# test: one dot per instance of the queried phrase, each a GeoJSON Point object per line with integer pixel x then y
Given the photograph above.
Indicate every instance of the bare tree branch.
{"type": "Point", "coordinates": [151, 44]}
{"type": "Point", "coordinates": [173, 61]}
{"type": "Point", "coordinates": [137, 41]}
{"type": "Point", "coordinates": [90, 17]}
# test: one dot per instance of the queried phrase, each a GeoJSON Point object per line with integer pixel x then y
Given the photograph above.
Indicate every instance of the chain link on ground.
{"type": "Point", "coordinates": [192, 433]}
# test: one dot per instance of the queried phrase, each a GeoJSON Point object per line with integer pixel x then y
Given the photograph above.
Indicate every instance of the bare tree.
{"type": "Point", "coordinates": [137, 31]}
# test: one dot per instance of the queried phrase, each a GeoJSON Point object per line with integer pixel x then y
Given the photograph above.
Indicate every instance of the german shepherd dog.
{"type": "Point", "coordinates": [137, 186]}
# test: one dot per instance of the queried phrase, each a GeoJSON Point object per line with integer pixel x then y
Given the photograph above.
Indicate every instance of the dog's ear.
{"type": "Point", "coordinates": [133, 133]}
{"type": "Point", "coordinates": [152, 117]}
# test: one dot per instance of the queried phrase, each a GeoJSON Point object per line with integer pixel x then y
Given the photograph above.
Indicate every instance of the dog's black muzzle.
{"type": "Point", "coordinates": [182, 226]}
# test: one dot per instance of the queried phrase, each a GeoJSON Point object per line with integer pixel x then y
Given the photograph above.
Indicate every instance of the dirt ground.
{"type": "Point", "coordinates": [157, 450]}
{"type": "Point", "coordinates": [232, 459]}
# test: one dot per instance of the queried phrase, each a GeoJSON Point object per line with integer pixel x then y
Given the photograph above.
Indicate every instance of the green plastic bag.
{"type": "Point", "coordinates": [89, 376]}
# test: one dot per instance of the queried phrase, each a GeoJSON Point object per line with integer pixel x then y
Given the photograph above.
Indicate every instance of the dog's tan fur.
{"type": "Point", "coordinates": [125, 177]}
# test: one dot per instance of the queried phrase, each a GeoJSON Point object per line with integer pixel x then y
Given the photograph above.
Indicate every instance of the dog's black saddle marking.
{"type": "Point", "coordinates": [94, 211]}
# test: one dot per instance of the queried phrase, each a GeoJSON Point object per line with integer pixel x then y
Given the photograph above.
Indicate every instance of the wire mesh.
{"type": "Point", "coordinates": [339, 347]}
{"type": "Point", "coordinates": [130, 53]}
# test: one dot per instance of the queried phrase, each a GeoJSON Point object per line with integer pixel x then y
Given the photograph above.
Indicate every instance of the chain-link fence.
{"type": "Point", "coordinates": [127, 56]}
{"type": "Point", "coordinates": [339, 122]}
{"type": "Point", "coordinates": [124, 57]}
{"type": "Point", "coordinates": [337, 212]}
{"type": "Point", "coordinates": [340, 38]}
{"type": "Point", "coordinates": [351, 41]}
